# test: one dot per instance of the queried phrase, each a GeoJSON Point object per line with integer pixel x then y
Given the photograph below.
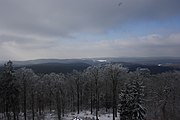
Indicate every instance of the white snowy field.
{"type": "Point", "coordinates": [84, 115]}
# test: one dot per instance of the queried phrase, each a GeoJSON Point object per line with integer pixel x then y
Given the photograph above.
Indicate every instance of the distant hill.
{"type": "Point", "coordinates": [155, 65]}
{"type": "Point", "coordinates": [137, 60]}
{"type": "Point", "coordinates": [155, 69]}
{"type": "Point", "coordinates": [147, 60]}
{"type": "Point", "coordinates": [57, 67]}
{"type": "Point", "coordinates": [44, 61]}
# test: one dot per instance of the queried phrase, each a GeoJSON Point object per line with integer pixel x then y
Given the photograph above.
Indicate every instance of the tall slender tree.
{"type": "Point", "coordinates": [9, 91]}
{"type": "Point", "coordinates": [94, 73]}
{"type": "Point", "coordinates": [114, 72]}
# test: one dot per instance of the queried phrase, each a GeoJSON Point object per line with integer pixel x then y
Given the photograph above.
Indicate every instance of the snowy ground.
{"type": "Point", "coordinates": [84, 115]}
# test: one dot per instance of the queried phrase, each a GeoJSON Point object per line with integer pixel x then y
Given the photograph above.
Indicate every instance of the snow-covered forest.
{"type": "Point", "coordinates": [103, 92]}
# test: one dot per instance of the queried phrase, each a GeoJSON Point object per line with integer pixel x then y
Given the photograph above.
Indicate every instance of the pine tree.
{"type": "Point", "coordinates": [124, 107]}
{"type": "Point", "coordinates": [138, 112]}
{"type": "Point", "coordinates": [131, 102]}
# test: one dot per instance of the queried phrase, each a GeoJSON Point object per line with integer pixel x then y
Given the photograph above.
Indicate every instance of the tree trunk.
{"type": "Point", "coordinates": [96, 99]}
{"type": "Point", "coordinates": [106, 97]}
{"type": "Point", "coordinates": [163, 113]}
{"type": "Point", "coordinates": [24, 93]}
{"type": "Point", "coordinates": [114, 99]}
{"type": "Point", "coordinates": [39, 105]}
{"type": "Point", "coordinates": [77, 98]}
{"type": "Point", "coordinates": [58, 103]}
{"type": "Point", "coordinates": [164, 116]}
{"type": "Point", "coordinates": [91, 99]}
{"type": "Point", "coordinates": [7, 112]}
{"type": "Point", "coordinates": [50, 102]}
{"type": "Point", "coordinates": [63, 110]}
{"type": "Point", "coordinates": [73, 103]}
{"type": "Point", "coordinates": [18, 111]}
{"type": "Point", "coordinates": [32, 106]}
{"type": "Point", "coordinates": [63, 105]}
{"type": "Point", "coordinates": [14, 113]}
{"type": "Point", "coordinates": [81, 100]}
{"type": "Point", "coordinates": [173, 105]}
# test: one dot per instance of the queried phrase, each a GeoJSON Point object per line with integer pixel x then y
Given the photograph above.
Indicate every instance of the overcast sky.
{"type": "Point", "coordinates": [32, 29]}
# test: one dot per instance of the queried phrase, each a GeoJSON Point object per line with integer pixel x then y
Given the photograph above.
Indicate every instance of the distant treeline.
{"type": "Point", "coordinates": [65, 68]}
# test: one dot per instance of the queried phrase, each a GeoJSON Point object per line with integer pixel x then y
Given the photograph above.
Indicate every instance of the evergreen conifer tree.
{"type": "Point", "coordinates": [131, 101]}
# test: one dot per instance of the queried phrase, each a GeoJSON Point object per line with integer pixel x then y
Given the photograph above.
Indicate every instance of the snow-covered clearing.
{"type": "Point", "coordinates": [84, 115]}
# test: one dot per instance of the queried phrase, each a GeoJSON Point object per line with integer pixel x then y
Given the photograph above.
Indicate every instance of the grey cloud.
{"type": "Point", "coordinates": [66, 17]}
{"type": "Point", "coordinates": [150, 45]}
{"type": "Point", "coordinates": [17, 39]}
{"type": "Point", "coordinates": [26, 42]}
{"type": "Point", "coordinates": [28, 25]}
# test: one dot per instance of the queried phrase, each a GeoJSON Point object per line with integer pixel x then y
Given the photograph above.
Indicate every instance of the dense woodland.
{"type": "Point", "coordinates": [107, 88]}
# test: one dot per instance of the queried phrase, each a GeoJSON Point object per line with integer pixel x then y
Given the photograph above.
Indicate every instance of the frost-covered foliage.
{"type": "Point", "coordinates": [9, 91]}
{"type": "Point", "coordinates": [25, 94]}
{"type": "Point", "coordinates": [115, 72]}
{"type": "Point", "coordinates": [131, 101]}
